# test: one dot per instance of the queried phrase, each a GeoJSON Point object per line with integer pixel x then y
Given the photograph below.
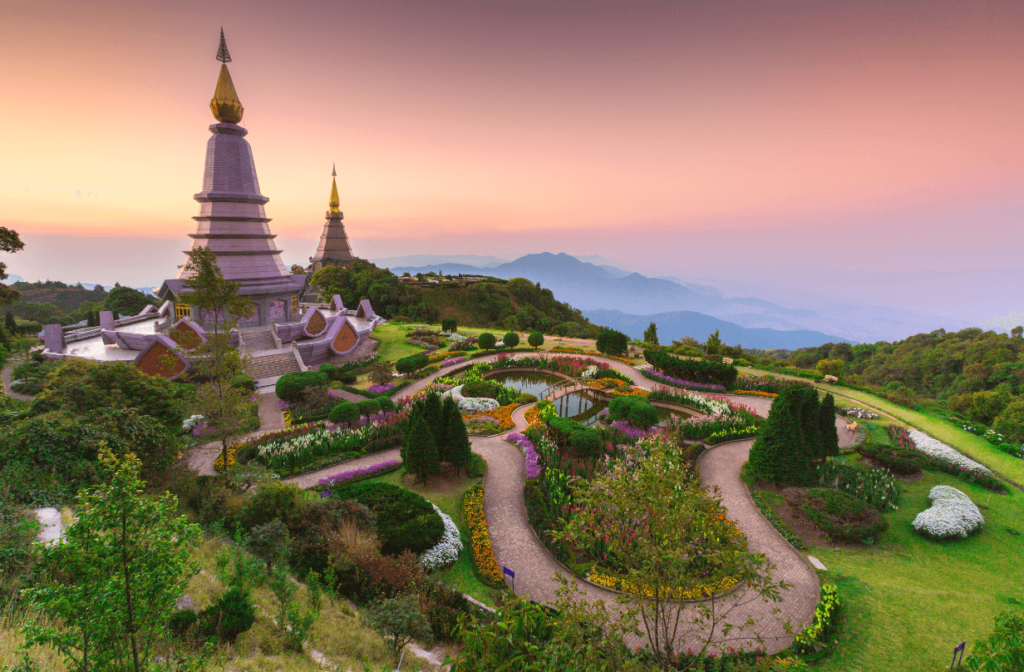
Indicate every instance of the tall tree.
{"type": "Point", "coordinates": [810, 424]}
{"type": "Point", "coordinates": [226, 409]}
{"type": "Point", "coordinates": [827, 427]}
{"type": "Point", "coordinates": [420, 450]}
{"type": "Point", "coordinates": [9, 242]}
{"type": "Point", "coordinates": [459, 448]}
{"type": "Point", "coordinates": [651, 334]}
{"type": "Point", "coordinates": [116, 575]}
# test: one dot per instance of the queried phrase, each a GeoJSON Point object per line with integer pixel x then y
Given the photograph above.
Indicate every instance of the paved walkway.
{"type": "Point", "coordinates": [6, 377]}
{"type": "Point", "coordinates": [201, 458]}
{"type": "Point", "coordinates": [310, 479]}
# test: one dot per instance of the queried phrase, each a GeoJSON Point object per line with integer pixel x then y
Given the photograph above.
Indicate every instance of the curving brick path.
{"type": "Point", "coordinates": [516, 545]}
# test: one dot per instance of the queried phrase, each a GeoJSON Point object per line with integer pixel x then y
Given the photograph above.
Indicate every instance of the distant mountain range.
{"type": "Point", "coordinates": [676, 325]}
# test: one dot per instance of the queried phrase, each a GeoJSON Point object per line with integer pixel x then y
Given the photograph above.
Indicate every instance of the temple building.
{"type": "Point", "coordinates": [232, 222]}
{"type": "Point", "coordinates": [334, 249]}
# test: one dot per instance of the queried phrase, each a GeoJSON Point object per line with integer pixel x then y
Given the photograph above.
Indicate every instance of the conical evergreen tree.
{"type": "Point", "coordinates": [10, 323]}
{"type": "Point", "coordinates": [827, 425]}
{"type": "Point", "coordinates": [432, 413]}
{"type": "Point", "coordinates": [448, 409]}
{"type": "Point", "coordinates": [458, 443]}
{"type": "Point", "coordinates": [769, 452]}
{"type": "Point", "coordinates": [5, 339]}
{"type": "Point", "coordinates": [415, 414]}
{"type": "Point", "coordinates": [810, 428]}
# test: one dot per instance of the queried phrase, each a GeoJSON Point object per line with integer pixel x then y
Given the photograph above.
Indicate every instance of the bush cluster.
{"type": "Point", "coordinates": [612, 342]}
{"type": "Point", "coordinates": [405, 521]}
{"type": "Point", "coordinates": [799, 431]}
{"type": "Point", "coordinates": [290, 386]}
{"type": "Point", "coordinates": [696, 370]}
{"type": "Point", "coordinates": [412, 363]}
{"type": "Point", "coordinates": [634, 409]}
{"type": "Point", "coordinates": [841, 516]}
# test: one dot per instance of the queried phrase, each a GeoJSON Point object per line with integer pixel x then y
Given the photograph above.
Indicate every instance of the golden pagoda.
{"type": "Point", "coordinates": [334, 249]}
{"type": "Point", "coordinates": [226, 106]}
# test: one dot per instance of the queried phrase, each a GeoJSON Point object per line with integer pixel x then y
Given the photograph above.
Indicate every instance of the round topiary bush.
{"type": "Point", "coordinates": [511, 339]}
{"type": "Point", "coordinates": [480, 388]}
{"type": "Point", "coordinates": [290, 386]}
{"type": "Point", "coordinates": [386, 403]}
{"type": "Point", "coordinates": [369, 407]}
{"type": "Point", "coordinates": [535, 339]}
{"type": "Point", "coordinates": [405, 521]}
{"type": "Point", "coordinates": [486, 341]}
{"type": "Point", "coordinates": [841, 516]}
{"type": "Point", "coordinates": [635, 410]}
{"type": "Point", "coordinates": [346, 411]}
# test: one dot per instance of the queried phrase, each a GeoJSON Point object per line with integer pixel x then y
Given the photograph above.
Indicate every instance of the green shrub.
{"type": "Point", "coordinates": [347, 378]}
{"type": "Point", "coordinates": [535, 339]}
{"type": "Point", "coordinates": [346, 411]}
{"type": "Point", "coordinates": [586, 442]}
{"type": "Point", "coordinates": [635, 410]}
{"type": "Point", "coordinates": [897, 460]}
{"type": "Point", "coordinates": [480, 388]}
{"type": "Point", "coordinates": [328, 370]}
{"type": "Point", "coordinates": [511, 339]}
{"type": "Point", "coordinates": [612, 342]}
{"type": "Point", "coordinates": [411, 363]}
{"type": "Point", "coordinates": [230, 616]}
{"type": "Point", "coordinates": [290, 386]}
{"type": "Point", "coordinates": [448, 324]}
{"type": "Point", "coordinates": [693, 370]}
{"type": "Point", "coordinates": [369, 407]}
{"type": "Point", "coordinates": [486, 341]}
{"type": "Point", "coordinates": [525, 398]}
{"type": "Point", "coordinates": [841, 516]}
{"type": "Point", "coordinates": [405, 520]}
{"type": "Point", "coordinates": [243, 382]}
{"type": "Point", "coordinates": [386, 403]}
{"type": "Point", "coordinates": [398, 620]}
{"type": "Point", "coordinates": [477, 466]}
{"type": "Point", "coordinates": [273, 500]}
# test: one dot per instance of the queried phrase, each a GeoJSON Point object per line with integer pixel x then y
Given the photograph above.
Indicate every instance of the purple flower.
{"type": "Point", "coordinates": [345, 476]}
{"type": "Point", "coordinates": [449, 362]}
{"type": "Point", "coordinates": [282, 404]}
{"type": "Point", "coordinates": [533, 469]}
{"type": "Point", "coordinates": [684, 383]}
{"type": "Point", "coordinates": [381, 389]}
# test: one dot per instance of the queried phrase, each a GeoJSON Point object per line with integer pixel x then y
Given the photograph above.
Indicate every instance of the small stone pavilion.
{"type": "Point", "coordinates": [334, 249]}
{"type": "Point", "coordinates": [232, 222]}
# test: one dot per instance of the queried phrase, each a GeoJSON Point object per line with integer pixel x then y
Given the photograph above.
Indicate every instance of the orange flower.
{"type": "Point", "coordinates": [503, 414]}
{"type": "Point", "coordinates": [480, 539]}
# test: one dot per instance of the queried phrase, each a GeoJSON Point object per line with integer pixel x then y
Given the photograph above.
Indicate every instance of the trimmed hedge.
{"type": "Point", "coordinates": [412, 363]}
{"type": "Point", "coordinates": [841, 516]}
{"type": "Point", "coordinates": [635, 410]}
{"type": "Point", "coordinates": [289, 387]}
{"type": "Point", "coordinates": [369, 407]}
{"type": "Point", "coordinates": [486, 341]}
{"type": "Point", "coordinates": [695, 370]}
{"type": "Point", "coordinates": [405, 520]}
{"type": "Point", "coordinates": [346, 411]}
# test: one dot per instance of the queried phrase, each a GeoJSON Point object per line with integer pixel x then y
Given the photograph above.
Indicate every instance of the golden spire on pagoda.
{"type": "Point", "coordinates": [226, 106]}
{"type": "Point", "coordinates": [335, 202]}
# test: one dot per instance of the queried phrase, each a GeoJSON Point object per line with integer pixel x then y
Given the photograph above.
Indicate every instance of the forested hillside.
{"type": "Point", "coordinates": [507, 304]}
{"type": "Point", "coordinates": [52, 302]}
{"type": "Point", "coordinates": [978, 374]}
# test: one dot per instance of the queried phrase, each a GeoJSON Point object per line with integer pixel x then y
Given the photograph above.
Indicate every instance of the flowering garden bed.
{"type": "Point", "coordinates": [480, 539]}
{"type": "Point", "coordinates": [932, 454]}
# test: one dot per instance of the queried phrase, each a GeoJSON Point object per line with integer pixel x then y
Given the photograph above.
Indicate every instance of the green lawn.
{"type": "Point", "coordinates": [934, 425]}
{"type": "Point", "coordinates": [392, 342]}
{"type": "Point", "coordinates": [461, 575]}
{"type": "Point", "coordinates": [907, 601]}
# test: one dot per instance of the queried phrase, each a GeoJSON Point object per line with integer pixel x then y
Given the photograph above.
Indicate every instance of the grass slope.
{"type": "Point", "coordinates": [908, 601]}
{"type": "Point", "coordinates": [967, 443]}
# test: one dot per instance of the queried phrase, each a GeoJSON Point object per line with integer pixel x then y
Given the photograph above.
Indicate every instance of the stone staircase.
{"type": "Point", "coordinates": [258, 340]}
{"type": "Point", "coordinates": [274, 366]}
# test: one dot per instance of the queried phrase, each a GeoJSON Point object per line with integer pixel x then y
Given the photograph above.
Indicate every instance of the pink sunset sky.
{"type": "Point", "coordinates": [876, 135]}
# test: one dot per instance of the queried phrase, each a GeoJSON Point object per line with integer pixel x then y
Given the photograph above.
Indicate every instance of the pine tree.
{"type": "Point", "coordinates": [423, 459]}
{"type": "Point", "coordinates": [651, 334]}
{"type": "Point", "coordinates": [781, 452]}
{"type": "Point", "coordinates": [432, 413]}
{"type": "Point", "coordinates": [458, 443]}
{"type": "Point", "coordinates": [415, 415]}
{"type": "Point", "coordinates": [810, 429]}
{"type": "Point", "coordinates": [448, 409]}
{"type": "Point", "coordinates": [827, 424]}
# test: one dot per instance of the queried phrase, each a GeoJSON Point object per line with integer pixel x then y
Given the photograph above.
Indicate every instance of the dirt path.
{"type": "Point", "coordinates": [5, 376]}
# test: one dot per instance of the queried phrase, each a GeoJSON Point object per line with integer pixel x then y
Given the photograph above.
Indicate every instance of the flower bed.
{"type": "Point", "coordinates": [937, 449]}
{"type": "Point", "coordinates": [699, 593]}
{"type": "Point", "coordinates": [574, 367]}
{"type": "Point", "coordinates": [452, 362]}
{"type": "Point", "coordinates": [381, 389]}
{"type": "Point", "coordinates": [756, 393]}
{"type": "Point", "coordinates": [820, 628]}
{"type": "Point", "coordinates": [472, 405]}
{"type": "Point", "coordinates": [859, 413]}
{"type": "Point", "coordinates": [480, 539]}
{"type": "Point", "coordinates": [842, 516]}
{"type": "Point", "coordinates": [533, 469]}
{"type": "Point", "coordinates": [354, 475]}
{"type": "Point", "coordinates": [952, 515]}
{"type": "Point", "coordinates": [937, 461]}
{"type": "Point", "coordinates": [294, 449]}
{"type": "Point", "coordinates": [877, 487]}
{"type": "Point", "coordinates": [775, 521]}
{"type": "Point", "coordinates": [447, 550]}
{"type": "Point", "coordinates": [580, 351]}
{"type": "Point", "coordinates": [678, 382]}
{"type": "Point", "coordinates": [502, 415]}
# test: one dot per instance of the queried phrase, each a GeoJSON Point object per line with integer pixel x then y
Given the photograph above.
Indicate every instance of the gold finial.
{"type": "Point", "coordinates": [226, 106]}
{"type": "Point", "coordinates": [335, 202]}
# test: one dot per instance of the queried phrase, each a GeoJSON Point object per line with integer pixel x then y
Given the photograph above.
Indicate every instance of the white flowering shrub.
{"type": "Point", "coordinates": [446, 551]}
{"type": "Point", "coordinates": [952, 515]}
{"type": "Point", "coordinates": [471, 404]}
{"type": "Point", "coordinates": [938, 449]}
{"type": "Point", "coordinates": [191, 422]}
{"type": "Point", "coordinates": [589, 372]}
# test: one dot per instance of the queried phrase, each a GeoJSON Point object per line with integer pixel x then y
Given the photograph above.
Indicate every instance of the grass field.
{"type": "Point", "coordinates": [460, 575]}
{"type": "Point", "coordinates": [934, 425]}
{"type": "Point", "coordinates": [907, 601]}
{"type": "Point", "coordinates": [392, 342]}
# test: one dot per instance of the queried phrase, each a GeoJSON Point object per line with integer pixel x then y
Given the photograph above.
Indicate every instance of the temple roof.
{"type": "Point", "coordinates": [335, 201]}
